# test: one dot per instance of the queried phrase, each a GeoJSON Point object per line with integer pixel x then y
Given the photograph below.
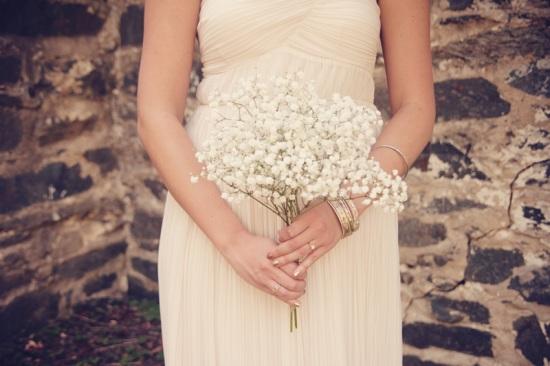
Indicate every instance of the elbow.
{"type": "Point", "coordinates": [140, 126]}
{"type": "Point", "coordinates": [143, 120]}
{"type": "Point", "coordinates": [432, 115]}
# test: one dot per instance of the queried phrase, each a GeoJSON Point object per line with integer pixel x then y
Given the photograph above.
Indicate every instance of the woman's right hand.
{"type": "Point", "coordinates": [247, 255]}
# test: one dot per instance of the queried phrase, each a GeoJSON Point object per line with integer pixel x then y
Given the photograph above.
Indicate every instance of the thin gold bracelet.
{"type": "Point", "coordinates": [398, 152]}
{"type": "Point", "coordinates": [354, 213]}
{"type": "Point", "coordinates": [347, 216]}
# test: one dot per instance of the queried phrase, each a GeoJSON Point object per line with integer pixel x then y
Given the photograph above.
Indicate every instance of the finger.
{"type": "Point", "coordinates": [292, 244]}
{"type": "Point", "coordinates": [291, 230]}
{"type": "Point", "coordinates": [297, 255]}
{"type": "Point", "coordinates": [290, 267]}
{"type": "Point", "coordinates": [287, 281]}
{"type": "Point", "coordinates": [282, 293]}
{"type": "Point", "coordinates": [309, 260]}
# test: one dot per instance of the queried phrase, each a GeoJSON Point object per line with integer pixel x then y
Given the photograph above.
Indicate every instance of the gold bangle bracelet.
{"type": "Point", "coordinates": [354, 213]}
{"type": "Point", "coordinates": [352, 218]}
{"type": "Point", "coordinates": [341, 214]}
{"type": "Point", "coordinates": [347, 216]}
{"type": "Point", "coordinates": [398, 152]}
{"type": "Point", "coordinates": [351, 222]}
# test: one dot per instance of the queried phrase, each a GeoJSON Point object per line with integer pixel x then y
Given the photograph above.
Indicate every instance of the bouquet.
{"type": "Point", "coordinates": [285, 146]}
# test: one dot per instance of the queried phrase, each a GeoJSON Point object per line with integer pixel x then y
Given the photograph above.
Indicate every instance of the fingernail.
{"type": "Point", "coordinates": [296, 303]}
{"type": "Point", "coordinates": [296, 272]}
{"type": "Point", "coordinates": [275, 262]}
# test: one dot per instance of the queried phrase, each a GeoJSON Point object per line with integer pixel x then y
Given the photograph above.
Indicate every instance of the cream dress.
{"type": "Point", "coordinates": [351, 311]}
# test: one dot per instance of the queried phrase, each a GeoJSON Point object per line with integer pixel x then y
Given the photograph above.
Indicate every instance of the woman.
{"type": "Point", "coordinates": [225, 282]}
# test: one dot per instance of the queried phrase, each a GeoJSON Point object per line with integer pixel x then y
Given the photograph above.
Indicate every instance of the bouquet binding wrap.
{"type": "Point", "coordinates": [284, 146]}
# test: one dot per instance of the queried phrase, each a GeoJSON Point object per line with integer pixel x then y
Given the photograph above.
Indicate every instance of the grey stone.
{"type": "Point", "coordinates": [157, 188]}
{"type": "Point", "coordinates": [10, 281]}
{"type": "Point", "coordinates": [53, 182]}
{"type": "Point", "coordinates": [28, 311]}
{"type": "Point", "coordinates": [415, 233]}
{"type": "Point", "coordinates": [460, 20]}
{"type": "Point", "coordinates": [103, 157]}
{"type": "Point", "coordinates": [99, 283]}
{"type": "Point", "coordinates": [453, 311]}
{"type": "Point", "coordinates": [100, 81]}
{"type": "Point", "coordinates": [146, 225]}
{"type": "Point", "coordinates": [443, 205]}
{"type": "Point", "coordinates": [460, 339]}
{"type": "Point", "coordinates": [468, 98]}
{"type": "Point", "coordinates": [10, 101]}
{"type": "Point", "coordinates": [33, 18]}
{"type": "Point", "coordinates": [460, 164]}
{"type": "Point", "coordinates": [530, 339]}
{"type": "Point", "coordinates": [78, 266]}
{"type": "Point", "coordinates": [492, 265]}
{"type": "Point", "coordinates": [11, 130]}
{"type": "Point", "coordinates": [137, 289]}
{"type": "Point", "coordinates": [131, 26]}
{"type": "Point", "coordinates": [533, 286]}
{"type": "Point", "coordinates": [535, 214]}
{"type": "Point", "coordinates": [533, 81]}
{"type": "Point", "coordinates": [459, 4]}
{"type": "Point", "coordinates": [488, 48]}
{"type": "Point", "coordinates": [10, 69]}
{"type": "Point", "coordinates": [145, 267]}
{"type": "Point", "coordinates": [410, 360]}
{"type": "Point", "coordinates": [15, 238]}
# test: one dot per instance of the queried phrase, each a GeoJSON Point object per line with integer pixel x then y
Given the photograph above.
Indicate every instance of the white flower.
{"type": "Point", "coordinates": [279, 141]}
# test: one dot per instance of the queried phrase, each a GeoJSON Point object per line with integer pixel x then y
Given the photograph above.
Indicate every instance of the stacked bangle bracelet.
{"type": "Point", "coordinates": [347, 215]}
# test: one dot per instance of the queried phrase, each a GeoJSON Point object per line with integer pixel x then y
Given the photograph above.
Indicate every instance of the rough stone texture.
{"type": "Point", "coordinates": [479, 295]}
{"type": "Point", "coordinates": [75, 179]}
{"type": "Point", "coordinates": [71, 169]}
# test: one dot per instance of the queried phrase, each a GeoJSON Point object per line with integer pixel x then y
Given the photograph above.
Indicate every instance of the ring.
{"type": "Point", "coordinates": [312, 246]}
{"type": "Point", "coordinates": [275, 288]}
{"type": "Point", "coordinates": [300, 260]}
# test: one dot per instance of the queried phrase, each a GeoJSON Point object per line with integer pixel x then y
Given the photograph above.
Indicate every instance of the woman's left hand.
{"type": "Point", "coordinates": [312, 233]}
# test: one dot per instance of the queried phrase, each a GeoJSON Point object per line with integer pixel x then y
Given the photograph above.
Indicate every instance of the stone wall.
{"type": "Point", "coordinates": [81, 205]}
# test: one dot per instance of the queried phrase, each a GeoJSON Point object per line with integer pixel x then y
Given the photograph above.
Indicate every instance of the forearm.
{"type": "Point", "coordinates": [410, 130]}
{"type": "Point", "coordinates": [173, 155]}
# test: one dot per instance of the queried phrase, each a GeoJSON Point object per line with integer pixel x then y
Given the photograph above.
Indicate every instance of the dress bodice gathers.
{"type": "Point", "coordinates": [335, 42]}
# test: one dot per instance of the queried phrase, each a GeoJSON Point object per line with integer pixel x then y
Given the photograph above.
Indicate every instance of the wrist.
{"type": "Point", "coordinates": [233, 239]}
{"type": "Point", "coordinates": [357, 201]}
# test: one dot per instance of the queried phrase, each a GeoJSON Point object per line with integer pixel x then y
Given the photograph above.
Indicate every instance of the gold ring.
{"type": "Point", "coordinates": [300, 260]}
{"type": "Point", "coordinates": [275, 288]}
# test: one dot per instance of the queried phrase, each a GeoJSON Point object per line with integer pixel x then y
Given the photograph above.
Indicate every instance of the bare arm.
{"type": "Point", "coordinates": [408, 62]}
{"type": "Point", "coordinates": [169, 31]}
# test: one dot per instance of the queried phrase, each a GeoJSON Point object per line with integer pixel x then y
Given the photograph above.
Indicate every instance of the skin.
{"type": "Point", "coordinates": [405, 38]}
{"type": "Point", "coordinates": [167, 51]}
{"type": "Point", "coordinates": [169, 31]}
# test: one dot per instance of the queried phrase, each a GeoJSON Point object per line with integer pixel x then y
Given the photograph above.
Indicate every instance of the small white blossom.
{"type": "Point", "coordinates": [281, 142]}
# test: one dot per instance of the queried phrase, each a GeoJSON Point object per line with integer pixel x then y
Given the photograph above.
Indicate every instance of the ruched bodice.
{"type": "Point", "coordinates": [333, 39]}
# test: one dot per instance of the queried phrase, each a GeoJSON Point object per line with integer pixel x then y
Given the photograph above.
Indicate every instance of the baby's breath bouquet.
{"type": "Point", "coordinates": [281, 144]}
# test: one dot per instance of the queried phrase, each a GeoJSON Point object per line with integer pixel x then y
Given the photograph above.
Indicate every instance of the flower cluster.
{"type": "Point", "coordinates": [282, 144]}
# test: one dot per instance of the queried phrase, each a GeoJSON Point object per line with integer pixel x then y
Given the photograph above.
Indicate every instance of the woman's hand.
{"type": "Point", "coordinates": [247, 255]}
{"type": "Point", "coordinates": [317, 227]}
